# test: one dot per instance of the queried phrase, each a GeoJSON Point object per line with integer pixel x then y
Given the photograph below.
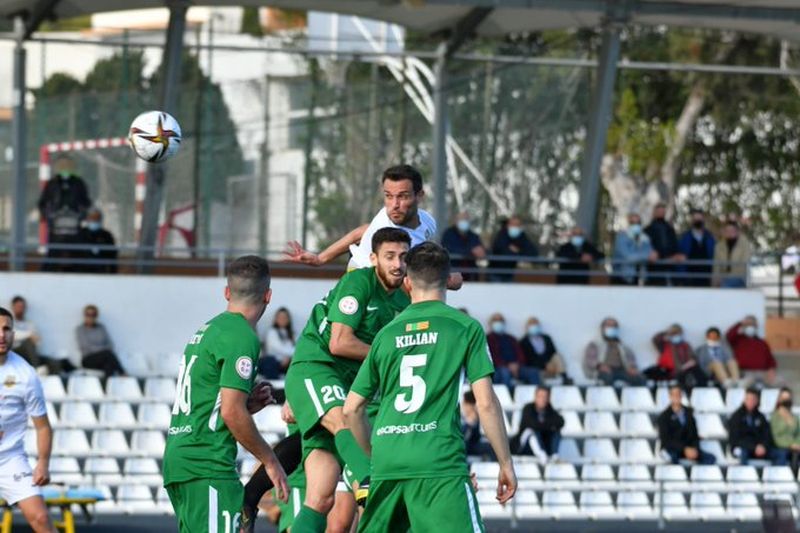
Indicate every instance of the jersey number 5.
{"type": "Point", "coordinates": [183, 393]}
{"type": "Point", "coordinates": [408, 379]}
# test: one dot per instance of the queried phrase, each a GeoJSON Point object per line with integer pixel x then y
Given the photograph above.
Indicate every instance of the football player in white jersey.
{"type": "Point", "coordinates": [21, 397]}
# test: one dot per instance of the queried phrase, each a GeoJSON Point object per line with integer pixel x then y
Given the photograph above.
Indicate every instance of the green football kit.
{"type": "Point", "coordinates": [417, 364]}
{"type": "Point", "coordinates": [200, 456]}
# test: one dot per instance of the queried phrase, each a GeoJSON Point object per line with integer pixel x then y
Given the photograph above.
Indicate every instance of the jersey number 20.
{"type": "Point", "coordinates": [183, 394]}
{"type": "Point", "coordinates": [408, 379]}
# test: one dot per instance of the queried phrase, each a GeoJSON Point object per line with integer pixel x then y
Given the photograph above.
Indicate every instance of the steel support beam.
{"type": "Point", "coordinates": [156, 173]}
{"type": "Point", "coordinates": [602, 100]}
{"type": "Point", "coordinates": [20, 132]}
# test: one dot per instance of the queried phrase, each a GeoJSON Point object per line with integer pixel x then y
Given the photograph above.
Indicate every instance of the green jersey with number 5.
{"type": "Point", "coordinates": [417, 363]}
{"type": "Point", "coordinates": [222, 354]}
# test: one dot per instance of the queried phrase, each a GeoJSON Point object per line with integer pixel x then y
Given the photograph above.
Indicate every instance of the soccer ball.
{"type": "Point", "coordinates": [155, 136]}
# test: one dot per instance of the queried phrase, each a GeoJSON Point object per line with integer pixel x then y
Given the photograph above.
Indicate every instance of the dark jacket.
{"type": "Point", "coordinates": [460, 246]}
{"type": "Point", "coordinates": [502, 246]}
{"type": "Point", "coordinates": [100, 247]}
{"type": "Point", "coordinates": [747, 436]}
{"type": "Point", "coordinates": [663, 238]}
{"type": "Point", "coordinates": [61, 197]}
{"type": "Point", "coordinates": [501, 358]}
{"type": "Point", "coordinates": [573, 255]}
{"type": "Point", "coordinates": [537, 360]}
{"type": "Point", "coordinates": [551, 421]}
{"type": "Point", "coordinates": [675, 436]}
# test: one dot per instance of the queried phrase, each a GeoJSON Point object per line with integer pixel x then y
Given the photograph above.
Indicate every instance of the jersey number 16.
{"type": "Point", "coordinates": [183, 392]}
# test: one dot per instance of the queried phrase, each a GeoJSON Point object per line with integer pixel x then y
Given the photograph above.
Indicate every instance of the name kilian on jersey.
{"type": "Point", "coordinates": [416, 339]}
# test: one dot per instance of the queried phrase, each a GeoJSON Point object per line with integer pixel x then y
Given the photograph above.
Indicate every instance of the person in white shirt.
{"type": "Point", "coordinates": [26, 341]}
{"type": "Point", "coordinates": [278, 346]}
{"type": "Point", "coordinates": [21, 397]}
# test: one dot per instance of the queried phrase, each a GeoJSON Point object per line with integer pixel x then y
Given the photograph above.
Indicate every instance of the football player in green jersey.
{"type": "Point", "coordinates": [416, 364]}
{"type": "Point", "coordinates": [213, 406]}
{"type": "Point", "coordinates": [328, 355]}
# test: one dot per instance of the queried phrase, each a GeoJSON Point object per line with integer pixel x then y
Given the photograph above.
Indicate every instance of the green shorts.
{"type": "Point", "coordinates": [446, 504]}
{"type": "Point", "coordinates": [312, 389]}
{"type": "Point", "coordinates": [212, 505]}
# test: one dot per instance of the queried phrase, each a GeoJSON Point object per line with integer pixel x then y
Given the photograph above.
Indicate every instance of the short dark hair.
{"type": "Point", "coordinates": [91, 307]}
{"type": "Point", "coordinates": [714, 329]}
{"type": "Point", "coordinates": [753, 390]}
{"type": "Point", "coordinates": [428, 264]}
{"type": "Point", "coordinates": [675, 386]}
{"type": "Point", "coordinates": [404, 172]}
{"type": "Point", "coordinates": [469, 397]}
{"type": "Point", "coordinates": [732, 223]}
{"type": "Point", "coordinates": [696, 211]}
{"type": "Point", "coordinates": [5, 312]}
{"type": "Point", "coordinates": [17, 299]}
{"type": "Point", "coordinates": [389, 235]}
{"type": "Point", "coordinates": [544, 388]}
{"type": "Point", "coordinates": [248, 278]}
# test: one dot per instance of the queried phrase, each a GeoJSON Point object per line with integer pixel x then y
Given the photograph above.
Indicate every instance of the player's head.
{"type": "Point", "coordinates": [18, 307]}
{"type": "Point", "coordinates": [389, 249]}
{"type": "Point", "coordinates": [6, 331]}
{"type": "Point", "coordinates": [402, 191]}
{"type": "Point", "coordinates": [676, 396]}
{"type": "Point", "coordinates": [427, 268]}
{"type": "Point", "coordinates": [90, 314]}
{"type": "Point", "coordinates": [248, 283]}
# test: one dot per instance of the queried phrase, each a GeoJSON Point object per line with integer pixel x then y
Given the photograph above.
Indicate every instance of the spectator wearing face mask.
{"type": "Point", "coordinates": [511, 240]}
{"type": "Point", "coordinates": [540, 352]}
{"type": "Point", "coordinates": [676, 359]}
{"type": "Point", "coordinates": [609, 360]}
{"type": "Point", "coordinates": [577, 256]}
{"type": "Point", "coordinates": [752, 353]}
{"type": "Point", "coordinates": [632, 252]}
{"type": "Point", "coordinates": [665, 243]}
{"type": "Point", "coordinates": [785, 428]}
{"type": "Point", "coordinates": [731, 256]}
{"type": "Point", "coordinates": [697, 244]}
{"type": "Point", "coordinates": [100, 252]}
{"type": "Point", "coordinates": [509, 362]}
{"type": "Point", "coordinates": [465, 247]}
{"type": "Point", "coordinates": [716, 359]}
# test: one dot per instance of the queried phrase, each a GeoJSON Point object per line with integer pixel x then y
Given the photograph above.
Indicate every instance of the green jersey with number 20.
{"type": "Point", "coordinates": [418, 362]}
{"type": "Point", "coordinates": [222, 354]}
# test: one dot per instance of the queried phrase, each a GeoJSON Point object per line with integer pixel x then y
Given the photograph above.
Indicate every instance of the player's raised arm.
{"type": "Point", "coordinates": [491, 418]}
{"type": "Point", "coordinates": [238, 420]}
{"type": "Point", "coordinates": [295, 253]}
{"type": "Point", "coordinates": [44, 446]}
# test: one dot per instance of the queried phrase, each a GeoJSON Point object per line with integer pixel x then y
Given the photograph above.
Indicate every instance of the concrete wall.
{"type": "Point", "coordinates": [150, 318]}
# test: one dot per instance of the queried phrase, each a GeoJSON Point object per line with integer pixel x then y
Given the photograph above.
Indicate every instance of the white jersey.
{"type": "Point", "coordinates": [21, 396]}
{"type": "Point", "coordinates": [424, 232]}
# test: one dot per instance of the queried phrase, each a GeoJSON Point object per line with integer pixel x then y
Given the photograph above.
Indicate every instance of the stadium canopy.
{"type": "Point", "coordinates": [454, 21]}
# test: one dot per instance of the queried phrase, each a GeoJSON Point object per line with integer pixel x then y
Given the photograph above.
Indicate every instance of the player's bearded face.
{"type": "Point", "coordinates": [7, 334]}
{"type": "Point", "coordinates": [400, 201]}
{"type": "Point", "coordinates": [390, 264]}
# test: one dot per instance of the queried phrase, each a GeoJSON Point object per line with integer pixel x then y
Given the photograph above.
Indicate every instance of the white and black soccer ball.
{"type": "Point", "coordinates": [155, 136]}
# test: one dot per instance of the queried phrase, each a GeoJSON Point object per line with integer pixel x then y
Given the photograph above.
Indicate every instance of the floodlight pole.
{"type": "Point", "coordinates": [156, 173]}
{"type": "Point", "coordinates": [597, 133]}
{"type": "Point", "coordinates": [19, 128]}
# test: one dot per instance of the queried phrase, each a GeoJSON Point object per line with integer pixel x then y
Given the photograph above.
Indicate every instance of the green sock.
{"type": "Point", "coordinates": [352, 454]}
{"type": "Point", "coordinates": [309, 521]}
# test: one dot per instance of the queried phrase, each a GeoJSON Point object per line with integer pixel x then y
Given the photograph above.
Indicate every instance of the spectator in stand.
{"type": "Point", "coordinates": [540, 428]}
{"type": "Point", "coordinates": [676, 359]}
{"type": "Point", "coordinates": [474, 442]}
{"type": "Point", "coordinates": [465, 247]}
{"type": "Point", "coordinates": [731, 256]}
{"type": "Point", "coordinates": [785, 427]}
{"type": "Point", "coordinates": [576, 257]}
{"type": "Point", "coordinates": [507, 355]}
{"type": "Point", "coordinates": [752, 353]}
{"type": "Point", "coordinates": [749, 432]}
{"type": "Point", "coordinates": [665, 243]}
{"type": "Point", "coordinates": [510, 241]}
{"type": "Point", "coordinates": [97, 350]}
{"type": "Point", "coordinates": [278, 346]}
{"type": "Point", "coordinates": [100, 254]}
{"type": "Point", "coordinates": [540, 352]}
{"type": "Point", "coordinates": [677, 431]}
{"type": "Point", "coordinates": [63, 204]}
{"type": "Point", "coordinates": [697, 244]}
{"type": "Point", "coordinates": [716, 359]}
{"type": "Point", "coordinates": [26, 340]}
{"type": "Point", "coordinates": [608, 359]}
{"type": "Point", "coordinates": [632, 252]}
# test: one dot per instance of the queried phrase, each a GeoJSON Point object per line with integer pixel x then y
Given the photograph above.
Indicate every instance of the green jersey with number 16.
{"type": "Point", "coordinates": [222, 354]}
{"type": "Point", "coordinates": [417, 363]}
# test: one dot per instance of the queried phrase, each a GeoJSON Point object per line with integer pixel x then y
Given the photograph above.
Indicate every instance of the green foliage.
{"type": "Point", "coordinates": [82, 22]}
{"type": "Point", "coordinates": [251, 23]}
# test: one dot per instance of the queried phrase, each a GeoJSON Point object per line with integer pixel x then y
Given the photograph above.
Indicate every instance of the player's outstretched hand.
{"type": "Point", "coordinates": [278, 477]}
{"type": "Point", "coordinates": [454, 281]}
{"type": "Point", "coordinates": [506, 483]}
{"type": "Point", "coordinates": [287, 415]}
{"type": "Point", "coordinates": [41, 475]}
{"type": "Point", "coordinates": [295, 253]}
{"type": "Point", "coordinates": [260, 397]}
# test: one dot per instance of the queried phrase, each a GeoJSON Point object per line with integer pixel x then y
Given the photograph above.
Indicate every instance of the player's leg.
{"type": "Point", "coordinates": [322, 475]}
{"type": "Point", "coordinates": [212, 505]}
{"type": "Point", "coordinates": [16, 488]}
{"type": "Point", "coordinates": [442, 504]}
{"type": "Point", "coordinates": [35, 512]}
{"type": "Point", "coordinates": [386, 510]}
{"type": "Point", "coordinates": [340, 519]}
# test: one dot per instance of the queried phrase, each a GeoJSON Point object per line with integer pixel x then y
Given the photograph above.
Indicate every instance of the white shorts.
{"type": "Point", "coordinates": [16, 479]}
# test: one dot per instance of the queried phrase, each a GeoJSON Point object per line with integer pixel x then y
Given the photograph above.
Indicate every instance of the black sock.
{"type": "Point", "coordinates": [289, 452]}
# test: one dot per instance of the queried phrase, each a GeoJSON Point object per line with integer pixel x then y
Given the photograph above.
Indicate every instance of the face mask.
{"type": "Point", "coordinates": [577, 241]}
{"type": "Point", "coordinates": [676, 339]}
{"type": "Point", "coordinates": [463, 226]}
{"type": "Point", "coordinates": [65, 175]}
{"type": "Point", "coordinates": [635, 230]}
{"type": "Point", "coordinates": [698, 224]}
{"type": "Point", "coordinates": [534, 329]}
{"type": "Point", "coordinates": [514, 231]}
{"type": "Point", "coordinates": [786, 403]}
{"type": "Point", "coordinates": [712, 344]}
{"type": "Point", "coordinates": [498, 327]}
{"type": "Point", "coordinates": [750, 331]}
{"type": "Point", "coordinates": [611, 332]}
{"type": "Point", "coordinates": [93, 226]}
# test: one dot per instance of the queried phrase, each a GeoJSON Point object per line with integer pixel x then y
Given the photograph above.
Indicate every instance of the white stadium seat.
{"type": "Point", "coordinates": [662, 398]}
{"type": "Point", "coordinates": [528, 475]}
{"type": "Point", "coordinates": [707, 400]}
{"type": "Point", "coordinates": [154, 416]}
{"type": "Point", "coordinates": [85, 388]}
{"type": "Point", "coordinates": [78, 415]}
{"type": "Point", "coordinates": [635, 506]}
{"type": "Point", "coordinates": [636, 451]}
{"type": "Point", "coordinates": [159, 390]}
{"type": "Point", "coordinates": [142, 470]}
{"type": "Point", "coordinates": [673, 476]}
{"type": "Point", "coordinates": [566, 398]}
{"type": "Point", "coordinates": [602, 399]}
{"type": "Point", "coordinates": [568, 451]}
{"type": "Point", "coordinates": [117, 415]}
{"type": "Point", "coordinates": [524, 394]}
{"type": "Point", "coordinates": [709, 426]}
{"type": "Point", "coordinates": [637, 424]}
{"type": "Point", "coordinates": [599, 451]}
{"type": "Point", "coordinates": [70, 442]}
{"type": "Point", "coordinates": [572, 424]}
{"type": "Point", "coordinates": [103, 470]}
{"type": "Point", "coordinates": [560, 504]}
{"type": "Point", "coordinates": [600, 424]}
{"type": "Point", "coordinates": [269, 419]}
{"type": "Point", "coordinates": [707, 478]}
{"type": "Point", "coordinates": [769, 397]}
{"type": "Point", "coordinates": [110, 442]}
{"type": "Point", "coordinates": [674, 506]}
{"type": "Point", "coordinates": [635, 477]}
{"type": "Point", "coordinates": [149, 443]}
{"type": "Point", "coordinates": [779, 479]}
{"type": "Point", "coordinates": [598, 477]}
{"type": "Point", "coordinates": [638, 399]}
{"type": "Point", "coordinates": [707, 506]}
{"type": "Point", "coordinates": [485, 470]}
{"type": "Point", "coordinates": [53, 388]}
{"type": "Point", "coordinates": [501, 391]}
{"type": "Point", "coordinates": [163, 504]}
{"type": "Point", "coordinates": [562, 475]}
{"type": "Point", "coordinates": [525, 504]}
{"type": "Point", "coordinates": [733, 399]}
{"type": "Point", "coordinates": [743, 478]}
{"type": "Point", "coordinates": [135, 498]}
{"type": "Point", "coordinates": [744, 507]}
{"type": "Point", "coordinates": [66, 470]}
{"type": "Point", "coordinates": [597, 505]}
{"type": "Point", "coordinates": [123, 388]}
{"type": "Point", "coordinates": [714, 448]}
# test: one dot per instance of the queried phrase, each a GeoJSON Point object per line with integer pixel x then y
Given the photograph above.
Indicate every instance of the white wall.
{"type": "Point", "coordinates": [154, 316]}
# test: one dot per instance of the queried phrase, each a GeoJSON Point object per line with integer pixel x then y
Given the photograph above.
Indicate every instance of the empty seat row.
{"type": "Point", "coordinates": [118, 388]}
{"type": "Point", "coordinates": [107, 442]}
{"type": "Point", "coordinates": [83, 414]}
